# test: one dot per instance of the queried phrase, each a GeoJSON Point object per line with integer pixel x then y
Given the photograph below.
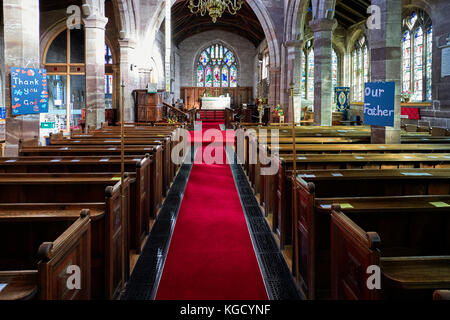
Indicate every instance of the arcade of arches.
{"type": "Point", "coordinates": [312, 58]}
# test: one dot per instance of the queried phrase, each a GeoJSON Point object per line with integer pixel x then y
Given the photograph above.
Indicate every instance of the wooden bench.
{"type": "Point", "coordinates": [411, 247]}
{"type": "Point", "coordinates": [309, 230]}
{"type": "Point", "coordinates": [141, 196]}
{"type": "Point", "coordinates": [156, 165]}
{"type": "Point", "coordinates": [264, 184]}
{"type": "Point", "coordinates": [250, 165]}
{"type": "Point", "coordinates": [167, 171]}
{"type": "Point", "coordinates": [110, 251]}
{"type": "Point", "coordinates": [37, 252]}
{"type": "Point", "coordinates": [279, 204]}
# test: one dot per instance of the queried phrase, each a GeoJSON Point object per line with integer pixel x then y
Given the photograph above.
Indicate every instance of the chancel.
{"type": "Point", "coordinates": [217, 150]}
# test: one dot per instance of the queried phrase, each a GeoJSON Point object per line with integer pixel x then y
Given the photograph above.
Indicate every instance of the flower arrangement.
{"type": "Point", "coordinates": [406, 95]}
{"type": "Point", "coordinates": [278, 111]}
{"type": "Point", "coordinates": [172, 120]}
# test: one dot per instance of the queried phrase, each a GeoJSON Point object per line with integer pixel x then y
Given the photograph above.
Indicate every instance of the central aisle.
{"type": "Point", "coordinates": [211, 256]}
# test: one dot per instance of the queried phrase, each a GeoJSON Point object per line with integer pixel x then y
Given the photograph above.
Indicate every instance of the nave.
{"type": "Point", "coordinates": [218, 150]}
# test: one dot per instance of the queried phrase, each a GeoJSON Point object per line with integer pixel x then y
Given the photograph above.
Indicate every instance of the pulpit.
{"type": "Point", "coordinates": [148, 106]}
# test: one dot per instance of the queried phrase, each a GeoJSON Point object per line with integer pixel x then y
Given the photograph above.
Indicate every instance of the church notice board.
{"type": "Point", "coordinates": [29, 94]}
{"type": "Point", "coordinates": [379, 104]}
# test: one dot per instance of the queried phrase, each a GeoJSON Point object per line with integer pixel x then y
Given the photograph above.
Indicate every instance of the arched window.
{"type": "Point", "coordinates": [307, 85]}
{"type": "Point", "coordinates": [334, 62]}
{"type": "Point", "coordinates": [217, 67]}
{"type": "Point", "coordinates": [308, 71]}
{"type": "Point", "coordinates": [417, 51]}
{"type": "Point", "coordinates": [360, 68]}
{"type": "Point", "coordinates": [109, 78]}
{"type": "Point", "coordinates": [64, 59]}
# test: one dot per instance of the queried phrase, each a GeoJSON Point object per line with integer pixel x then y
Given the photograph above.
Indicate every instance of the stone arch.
{"type": "Point", "coordinates": [261, 13]}
{"type": "Point", "coordinates": [54, 30]}
{"type": "Point", "coordinates": [125, 13]}
{"type": "Point", "coordinates": [49, 35]}
{"type": "Point", "coordinates": [426, 5]}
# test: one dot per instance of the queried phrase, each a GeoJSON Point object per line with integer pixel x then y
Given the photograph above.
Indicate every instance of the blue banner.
{"type": "Point", "coordinates": [379, 104]}
{"type": "Point", "coordinates": [341, 97]}
{"type": "Point", "coordinates": [29, 94]}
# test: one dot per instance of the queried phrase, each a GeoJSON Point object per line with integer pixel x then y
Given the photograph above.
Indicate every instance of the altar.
{"type": "Point", "coordinates": [215, 103]}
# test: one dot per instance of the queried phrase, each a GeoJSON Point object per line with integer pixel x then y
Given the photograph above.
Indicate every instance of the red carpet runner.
{"type": "Point", "coordinates": [211, 255]}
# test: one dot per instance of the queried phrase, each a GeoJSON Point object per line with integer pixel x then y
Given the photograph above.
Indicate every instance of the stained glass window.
{"type": "Point", "coordinates": [108, 55]}
{"type": "Point", "coordinates": [225, 76]}
{"type": "Point", "coordinates": [311, 75]}
{"type": "Point", "coordinates": [303, 85]}
{"type": "Point", "coordinates": [216, 79]}
{"type": "Point", "coordinates": [360, 68]}
{"type": "Point", "coordinates": [233, 77]}
{"type": "Point", "coordinates": [335, 69]}
{"type": "Point", "coordinates": [417, 52]}
{"type": "Point", "coordinates": [217, 67]}
{"type": "Point", "coordinates": [200, 77]}
{"type": "Point", "coordinates": [209, 77]}
{"type": "Point", "coordinates": [429, 61]}
{"type": "Point", "coordinates": [418, 64]}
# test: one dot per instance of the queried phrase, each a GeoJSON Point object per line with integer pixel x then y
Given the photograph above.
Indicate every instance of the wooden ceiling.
{"type": "Point", "coordinates": [244, 23]}
{"type": "Point", "coordinates": [50, 5]}
{"type": "Point", "coordinates": [350, 12]}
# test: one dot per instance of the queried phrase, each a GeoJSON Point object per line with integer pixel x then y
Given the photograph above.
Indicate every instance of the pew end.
{"type": "Point", "coordinates": [45, 275]}
{"type": "Point", "coordinates": [352, 252]}
{"type": "Point", "coordinates": [34, 142]}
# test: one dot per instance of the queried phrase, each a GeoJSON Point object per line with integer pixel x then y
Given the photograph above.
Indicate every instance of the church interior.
{"type": "Point", "coordinates": [219, 150]}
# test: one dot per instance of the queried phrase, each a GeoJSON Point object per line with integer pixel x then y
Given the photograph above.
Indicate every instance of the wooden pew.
{"type": "Point", "coordinates": [250, 168]}
{"type": "Point", "coordinates": [156, 165]}
{"type": "Point", "coordinates": [265, 183]}
{"type": "Point", "coordinates": [411, 247]}
{"type": "Point", "coordinates": [110, 256]}
{"type": "Point", "coordinates": [141, 196]}
{"type": "Point", "coordinates": [310, 226]}
{"type": "Point", "coordinates": [37, 251]}
{"type": "Point", "coordinates": [166, 163]}
{"type": "Point", "coordinates": [280, 204]}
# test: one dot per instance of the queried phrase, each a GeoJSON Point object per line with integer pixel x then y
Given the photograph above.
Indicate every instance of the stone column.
{"type": "Point", "coordinates": [323, 89]}
{"type": "Point", "coordinates": [21, 49]}
{"type": "Point", "coordinates": [128, 75]}
{"type": "Point", "coordinates": [386, 62]}
{"type": "Point", "coordinates": [274, 86]}
{"type": "Point", "coordinates": [294, 74]}
{"type": "Point", "coordinates": [95, 69]}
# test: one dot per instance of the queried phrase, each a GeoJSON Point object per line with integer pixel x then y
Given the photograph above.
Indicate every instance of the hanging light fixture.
{"type": "Point", "coordinates": [215, 8]}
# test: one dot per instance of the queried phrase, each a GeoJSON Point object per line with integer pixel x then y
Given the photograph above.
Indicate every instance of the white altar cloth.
{"type": "Point", "coordinates": [216, 103]}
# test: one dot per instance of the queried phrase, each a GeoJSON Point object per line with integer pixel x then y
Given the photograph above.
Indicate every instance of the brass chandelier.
{"type": "Point", "coordinates": [215, 8]}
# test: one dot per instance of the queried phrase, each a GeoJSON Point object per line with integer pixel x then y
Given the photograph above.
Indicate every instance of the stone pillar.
{"type": "Point", "coordinates": [294, 74]}
{"type": "Point", "coordinates": [386, 62]}
{"type": "Point", "coordinates": [95, 69]}
{"type": "Point", "coordinates": [323, 89]}
{"type": "Point", "coordinates": [21, 41]}
{"type": "Point", "coordinates": [128, 75]}
{"type": "Point", "coordinates": [274, 87]}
